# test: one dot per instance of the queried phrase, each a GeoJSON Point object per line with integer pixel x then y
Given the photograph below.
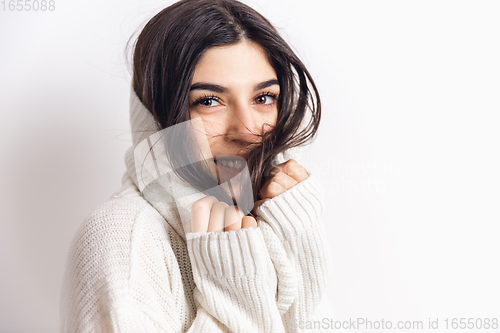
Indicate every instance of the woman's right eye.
{"type": "Point", "coordinates": [207, 102]}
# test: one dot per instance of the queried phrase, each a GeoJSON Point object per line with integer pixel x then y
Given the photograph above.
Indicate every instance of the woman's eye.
{"type": "Point", "coordinates": [208, 102]}
{"type": "Point", "coordinates": [264, 99]}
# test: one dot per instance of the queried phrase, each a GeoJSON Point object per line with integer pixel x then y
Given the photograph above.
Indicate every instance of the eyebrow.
{"type": "Point", "coordinates": [222, 90]}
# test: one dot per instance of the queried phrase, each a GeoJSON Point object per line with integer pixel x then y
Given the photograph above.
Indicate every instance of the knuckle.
{"type": "Point", "coordinates": [264, 191]}
{"type": "Point", "coordinates": [283, 178]}
{"type": "Point", "coordinates": [274, 189]}
{"type": "Point", "coordinates": [303, 172]}
{"type": "Point", "coordinates": [294, 165]}
{"type": "Point", "coordinates": [279, 175]}
{"type": "Point", "coordinates": [232, 210]}
{"type": "Point", "coordinates": [275, 170]}
{"type": "Point", "coordinates": [221, 204]}
{"type": "Point", "coordinates": [204, 201]}
{"type": "Point", "coordinates": [203, 204]}
{"type": "Point", "coordinates": [198, 207]}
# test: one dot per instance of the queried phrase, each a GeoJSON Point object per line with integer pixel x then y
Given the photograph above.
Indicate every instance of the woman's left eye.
{"type": "Point", "coordinates": [265, 99]}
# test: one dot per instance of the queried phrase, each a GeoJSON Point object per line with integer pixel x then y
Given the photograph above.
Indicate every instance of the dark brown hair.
{"type": "Point", "coordinates": [170, 46]}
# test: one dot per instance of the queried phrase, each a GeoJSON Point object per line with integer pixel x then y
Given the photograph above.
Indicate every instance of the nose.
{"type": "Point", "coordinates": [242, 125]}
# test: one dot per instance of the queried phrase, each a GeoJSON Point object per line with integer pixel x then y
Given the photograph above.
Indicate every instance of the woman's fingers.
{"type": "Point", "coordinates": [217, 217]}
{"type": "Point", "coordinates": [233, 218]}
{"type": "Point", "coordinates": [270, 189]}
{"type": "Point", "coordinates": [210, 215]}
{"type": "Point", "coordinates": [200, 214]}
{"type": "Point", "coordinates": [284, 180]}
{"type": "Point", "coordinates": [293, 169]}
{"type": "Point", "coordinates": [283, 177]}
{"type": "Point", "coordinates": [276, 185]}
{"type": "Point", "coordinates": [248, 222]}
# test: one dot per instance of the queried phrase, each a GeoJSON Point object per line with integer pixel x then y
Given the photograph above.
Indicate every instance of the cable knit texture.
{"type": "Point", "coordinates": [131, 268]}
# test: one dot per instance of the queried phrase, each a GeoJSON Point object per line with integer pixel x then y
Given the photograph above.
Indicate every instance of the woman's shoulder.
{"type": "Point", "coordinates": [114, 221]}
{"type": "Point", "coordinates": [116, 245]}
{"type": "Point", "coordinates": [120, 240]}
{"type": "Point", "coordinates": [114, 231]}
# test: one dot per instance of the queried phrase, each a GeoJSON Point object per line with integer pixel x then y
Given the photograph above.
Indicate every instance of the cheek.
{"type": "Point", "coordinates": [274, 118]}
{"type": "Point", "coordinates": [197, 127]}
{"type": "Point", "coordinates": [212, 126]}
{"type": "Point", "coordinates": [270, 119]}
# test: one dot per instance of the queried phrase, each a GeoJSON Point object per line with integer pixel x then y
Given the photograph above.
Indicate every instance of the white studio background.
{"type": "Point", "coordinates": [408, 150]}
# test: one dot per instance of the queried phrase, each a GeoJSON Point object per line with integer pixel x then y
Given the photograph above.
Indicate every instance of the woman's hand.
{"type": "Point", "coordinates": [209, 214]}
{"type": "Point", "coordinates": [283, 177]}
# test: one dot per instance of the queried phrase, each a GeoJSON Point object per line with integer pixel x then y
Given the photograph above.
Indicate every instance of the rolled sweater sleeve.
{"type": "Point", "coordinates": [295, 217]}
{"type": "Point", "coordinates": [235, 281]}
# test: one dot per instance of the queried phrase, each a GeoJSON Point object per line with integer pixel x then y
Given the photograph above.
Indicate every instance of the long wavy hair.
{"type": "Point", "coordinates": [169, 48]}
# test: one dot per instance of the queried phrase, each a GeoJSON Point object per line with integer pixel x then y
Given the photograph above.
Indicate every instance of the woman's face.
{"type": "Point", "coordinates": [234, 91]}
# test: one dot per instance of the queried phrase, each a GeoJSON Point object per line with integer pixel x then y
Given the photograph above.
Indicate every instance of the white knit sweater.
{"type": "Point", "coordinates": [131, 268]}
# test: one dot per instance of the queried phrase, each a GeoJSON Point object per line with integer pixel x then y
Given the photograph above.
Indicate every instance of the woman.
{"type": "Point", "coordinates": [179, 248]}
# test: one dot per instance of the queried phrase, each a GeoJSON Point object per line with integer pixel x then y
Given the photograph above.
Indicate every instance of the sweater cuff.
{"type": "Point", "coordinates": [295, 210]}
{"type": "Point", "coordinates": [229, 254]}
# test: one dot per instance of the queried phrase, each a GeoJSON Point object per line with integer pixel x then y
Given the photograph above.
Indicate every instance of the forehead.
{"type": "Point", "coordinates": [239, 64]}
